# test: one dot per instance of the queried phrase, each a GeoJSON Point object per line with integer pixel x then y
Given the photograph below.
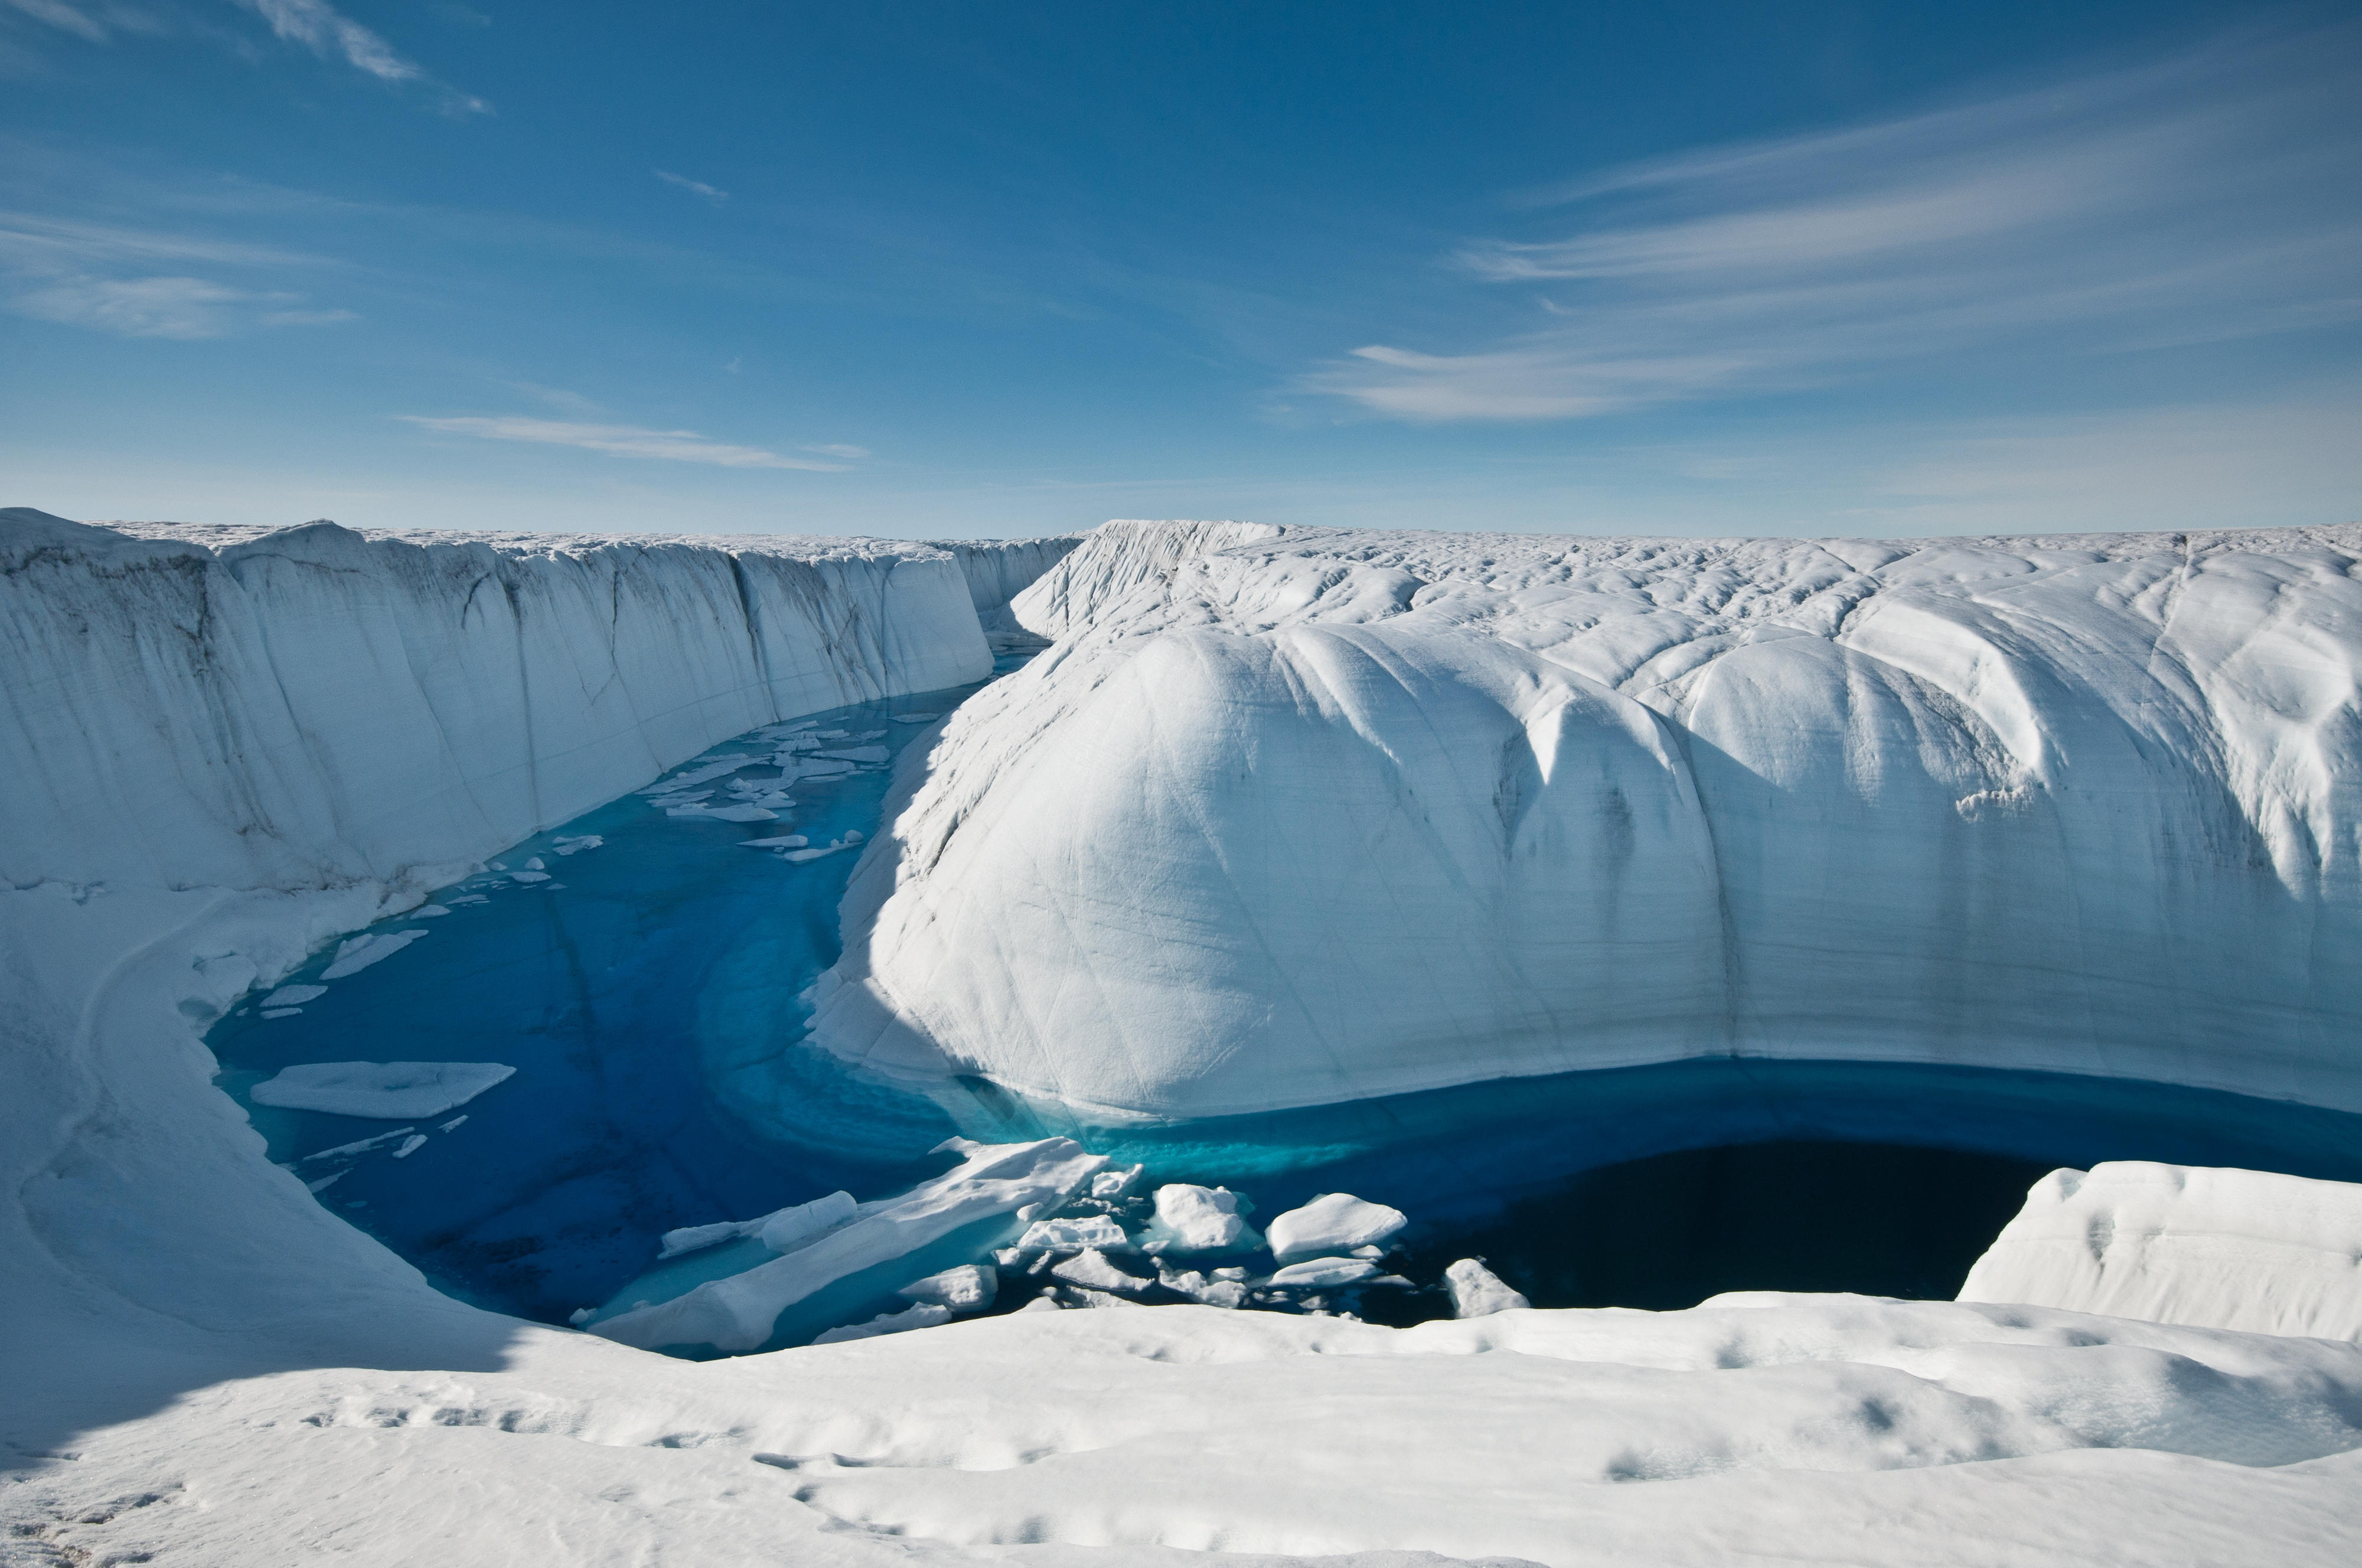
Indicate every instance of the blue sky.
{"type": "Point", "coordinates": [973, 269]}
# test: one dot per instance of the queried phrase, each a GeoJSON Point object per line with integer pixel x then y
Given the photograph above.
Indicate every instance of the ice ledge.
{"type": "Point", "coordinates": [2217, 1249]}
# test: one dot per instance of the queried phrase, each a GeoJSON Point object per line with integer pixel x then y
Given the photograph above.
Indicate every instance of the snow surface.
{"type": "Point", "coordinates": [226, 758]}
{"type": "Point", "coordinates": [1290, 817]}
{"type": "Point", "coordinates": [2227, 1249]}
{"type": "Point", "coordinates": [390, 1092]}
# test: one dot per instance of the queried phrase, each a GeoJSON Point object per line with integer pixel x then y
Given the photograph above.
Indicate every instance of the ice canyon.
{"type": "Point", "coordinates": [698, 1049]}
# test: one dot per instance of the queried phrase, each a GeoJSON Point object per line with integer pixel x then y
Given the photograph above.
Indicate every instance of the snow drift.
{"type": "Point", "coordinates": [1290, 817]}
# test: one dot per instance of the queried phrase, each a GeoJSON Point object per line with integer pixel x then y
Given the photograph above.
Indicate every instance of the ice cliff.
{"type": "Point", "coordinates": [1291, 816]}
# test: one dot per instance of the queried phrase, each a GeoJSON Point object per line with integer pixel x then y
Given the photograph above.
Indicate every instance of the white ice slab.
{"type": "Point", "coordinates": [2222, 1248]}
{"type": "Point", "coordinates": [1191, 1218]}
{"type": "Point", "coordinates": [1478, 1292]}
{"type": "Point", "coordinates": [1333, 1222]}
{"type": "Point", "coordinates": [391, 1091]}
{"type": "Point", "coordinates": [736, 1313]}
{"type": "Point", "coordinates": [358, 953]}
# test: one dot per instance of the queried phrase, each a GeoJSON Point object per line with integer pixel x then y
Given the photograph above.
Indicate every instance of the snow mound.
{"type": "Point", "coordinates": [2222, 1249]}
{"type": "Point", "coordinates": [389, 1091]}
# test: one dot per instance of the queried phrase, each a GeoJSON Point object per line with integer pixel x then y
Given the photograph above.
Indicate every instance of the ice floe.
{"type": "Point", "coordinates": [357, 953]}
{"type": "Point", "coordinates": [736, 1313]}
{"type": "Point", "coordinates": [970, 1287]}
{"type": "Point", "coordinates": [1477, 1291]}
{"type": "Point", "coordinates": [394, 1091]}
{"type": "Point", "coordinates": [1333, 1222]}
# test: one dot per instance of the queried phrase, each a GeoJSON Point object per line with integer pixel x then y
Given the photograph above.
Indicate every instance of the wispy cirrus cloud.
{"type": "Point", "coordinates": [2204, 198]}
{"type": "Point", "coordinates": [101, 276]}
{"type": "Point", "coordinates": [184, 308]}
{"type": "Point", "coordinates": [694, 187]}
{"type": "Point", "coordinates": [330, 34]}
{"type": "Point", "coordinates": [627, 441]}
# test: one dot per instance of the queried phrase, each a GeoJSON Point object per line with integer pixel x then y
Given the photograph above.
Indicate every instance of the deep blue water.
{"type": "Point", "coordinates": [648, 995]}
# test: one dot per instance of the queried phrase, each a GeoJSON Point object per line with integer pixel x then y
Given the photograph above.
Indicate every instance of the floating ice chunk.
{"type": "Point", "coordinates": [358, 953]}
{"type": "Point", "coordinates": [1477, 1291]}
{"type": "Point", "coordinates": [281, 1012]}
{"type": "Point", "coordinates": [737, 1313]}
{"type": "Point", "coordinates": [780, 841]}
{"type": "Point", "coordinates": [326, 1182]}
{"type": "Point", "coordinates": [1226, 1293]}
{"type": "Point", "coordinates": [782, 1231]}
{"type": "Point", "coordinates": [360, 1146]}
{"type": "Point", "coordinates": [925, 1315]}
{"type": "Point", "coordinates": [411, 1145]}
{"type": "Point", "coordinates": [534, 864]}
{"type": "Point", "coordinates": [450, 1124]}
{"type": "Point", "coordinates": [1320, 1274]}
{"type": "Point", "coordinates": [1196, 1220]}
{"type": "Point", "coordinates": [800, 855]}
{"type": "Point", "coordinates": [859, 754]}
{"type": "Point", "coordinates": [428, 911]}
{"type": "Point", "coordinates": [391, 1091]}
{"type": "Point", "coordinates": [468, 899]}
{"type": "Point", "coordinates": [719, 767]}
{"type": "Point", "coordinates": [744, 813]}
{"type": "Point", "coordinates": [1083, 1295]}
{"type": "Point", "coordinates": [1072, 1235]}
{"type": "Point", "coordinates": [968, 1289]}
{"type": "Point", "coordinates": [802, 766]}
{"type": "Point", "coordinates": [579, 842]}
{"type": "Point", "coordinates": [916, 718]}
{"type": "Point", "coordinates": [1333, 1222]}
{"type": "Point", "coordinates": [1090, 1268]}
{"type": "Point", "coordinates": [792, 1228]}
{"type": "Point", "coordinates": [528, 876]}
{"type": "Point", "coordinates": [1113, 1185]}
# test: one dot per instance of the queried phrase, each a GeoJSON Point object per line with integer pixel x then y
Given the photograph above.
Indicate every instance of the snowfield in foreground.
{"type": "Point", "coordinates": [1787, 1429]}
{"type": "Point", "coordinates": [1895, 770]}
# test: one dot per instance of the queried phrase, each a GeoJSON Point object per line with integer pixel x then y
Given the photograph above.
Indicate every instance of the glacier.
{"type": "Point", "coordinates": [233, 749]}
{"type": "Point", "coordinates": [1290, 817]}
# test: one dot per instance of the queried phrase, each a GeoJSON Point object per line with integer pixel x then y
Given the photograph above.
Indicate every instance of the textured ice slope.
{"type": "Point", "coordinates": [1290, 817]}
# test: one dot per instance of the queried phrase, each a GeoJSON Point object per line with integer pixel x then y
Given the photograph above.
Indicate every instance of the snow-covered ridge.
{"type": "Point", "coordinates": [1292, 816]}
{"type": "Point", "coordinates": [313, 705]}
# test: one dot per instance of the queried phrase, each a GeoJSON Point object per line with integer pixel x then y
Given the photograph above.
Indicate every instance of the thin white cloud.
{"type": "Point", "coordinates": [835, 449]}
{"type": "Point", "coordinates": [330, 34]}
{"type": "Point", "coordinates": [622, 441]}
{"type": "Point", "coordinates": [65, 17]}
{"type": "Point", "coordinates": [109, 278]}
{"type": "Point", "coordinates": [694, 187]}
{"type": "Point", "coordinates": [185, 308]}
{"type": "Point", "coordinates": [2207, 198]}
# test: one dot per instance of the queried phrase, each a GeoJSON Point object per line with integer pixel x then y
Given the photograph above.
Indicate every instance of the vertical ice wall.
{"type": "Point", "coordinates": [313, 706]}
{"type": "Point", "coordinates": [1293, 816]}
